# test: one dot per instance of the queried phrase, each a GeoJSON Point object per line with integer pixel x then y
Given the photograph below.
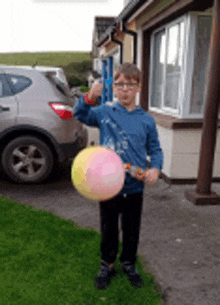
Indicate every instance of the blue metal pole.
{"type": "Point", "coordinates": [104, 76]}
{"type": "Point", "coordinates": [109, 82]}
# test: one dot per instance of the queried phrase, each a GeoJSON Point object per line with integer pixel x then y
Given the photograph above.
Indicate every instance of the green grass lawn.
{"type": "Point", "coordinates": [48, 260]}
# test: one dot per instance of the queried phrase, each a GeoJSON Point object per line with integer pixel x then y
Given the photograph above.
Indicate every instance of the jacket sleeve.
{"type": "Point", "coordinates": [153, 147]}
{"type": "Point", "coordinates": [85, 113]}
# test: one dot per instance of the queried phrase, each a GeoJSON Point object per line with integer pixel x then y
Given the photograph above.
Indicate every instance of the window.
{"type": "Point", "coordinates": [4, 87]}
{"type": "Point", "coordinates": [18, 82]}
{"type": "Point", "coordinates": [179, 59]}
{"type": "Point", "coordinates": [168, 46]}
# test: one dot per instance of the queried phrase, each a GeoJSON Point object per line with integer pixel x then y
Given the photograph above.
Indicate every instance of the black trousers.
{"type": "Point", "coordinates": [130, 208]}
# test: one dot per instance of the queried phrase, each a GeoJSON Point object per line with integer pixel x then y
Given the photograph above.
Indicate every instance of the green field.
{"type": "Point", "coordinates": [75, 64]}
{"type": "Point", "coordinates": [55, 59]}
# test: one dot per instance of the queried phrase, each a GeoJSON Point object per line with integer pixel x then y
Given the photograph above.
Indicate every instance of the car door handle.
{"type": "Point", "coordinates": [4, 108]}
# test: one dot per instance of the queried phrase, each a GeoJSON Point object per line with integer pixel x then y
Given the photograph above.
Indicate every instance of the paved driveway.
{"type": "Point", "coordinates": [57, 196]}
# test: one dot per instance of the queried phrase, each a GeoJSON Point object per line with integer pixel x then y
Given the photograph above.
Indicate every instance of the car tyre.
{"type": "Point", "coordinates": [27, 159]}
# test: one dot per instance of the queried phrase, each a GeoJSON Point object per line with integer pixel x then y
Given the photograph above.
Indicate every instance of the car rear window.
{"type": "Point", "coordinates": [61, 86]}
{"type": "Point", "coordinates": [18, 82]}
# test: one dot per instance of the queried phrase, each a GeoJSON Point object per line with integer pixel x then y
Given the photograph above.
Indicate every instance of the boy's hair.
{"type": "Point", "coordinates": [129, 70]}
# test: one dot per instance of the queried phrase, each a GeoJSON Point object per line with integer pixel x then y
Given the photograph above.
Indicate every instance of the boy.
{"type": "Point", "coordinates": [131, 133]}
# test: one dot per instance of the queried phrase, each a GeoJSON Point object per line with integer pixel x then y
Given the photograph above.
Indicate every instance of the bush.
{"type": "Point", "coordinates": [84, 88]}
{"type": "Point", "coordinates": [75, 82]}
{"type": "Point", "coordinates": [76, 72]}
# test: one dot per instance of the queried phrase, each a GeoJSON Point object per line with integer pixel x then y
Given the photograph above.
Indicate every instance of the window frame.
{"type": "Point", "coordinates": [186, 78]}
{"type": "Point", "coordinates": [167, 110]}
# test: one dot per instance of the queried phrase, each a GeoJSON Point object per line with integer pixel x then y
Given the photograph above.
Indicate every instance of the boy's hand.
{"type": "Point", "coordinates": [95, 91]}
{"type": "Point", "coordinates": [151, 176]}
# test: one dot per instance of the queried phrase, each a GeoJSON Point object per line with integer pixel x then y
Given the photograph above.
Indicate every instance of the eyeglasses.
{"type": "Point", "coordinates": [128, 85]}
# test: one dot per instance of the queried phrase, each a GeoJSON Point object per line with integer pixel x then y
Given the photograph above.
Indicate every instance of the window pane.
{"type": "Point", "coordinates": [4, 87]}
{"type": "Point", "coordinates": [172, 56]}
{"type": "Point", "coordinates": [174, 64]}
{"type": "Point", "coordinates": [158, 69]}
{"type": "Point", "coordinates": [18, 82]}
{"type": "Point", "coordinates": [200, 63]}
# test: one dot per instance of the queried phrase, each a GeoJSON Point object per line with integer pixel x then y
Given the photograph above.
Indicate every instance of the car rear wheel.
{"type": "Point", "coordinates": [27, 159]}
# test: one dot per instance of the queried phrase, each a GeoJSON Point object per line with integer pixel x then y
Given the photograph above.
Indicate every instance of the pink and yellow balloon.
{"type": "Point", "coordinates": [98, 173]}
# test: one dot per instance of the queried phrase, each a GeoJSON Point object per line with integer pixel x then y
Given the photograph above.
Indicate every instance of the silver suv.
{"type": "Point", "coordinates": [37, 127]}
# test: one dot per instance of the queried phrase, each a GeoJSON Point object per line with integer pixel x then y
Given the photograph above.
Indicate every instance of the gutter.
{"type": "Point", "coordinates": [122, 19]}
{"type": "Point", "coordinates": [127, 12]}
{"type": "Point", "coordinates": [142, 8]}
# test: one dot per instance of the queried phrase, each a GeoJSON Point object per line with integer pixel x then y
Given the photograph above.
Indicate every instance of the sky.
{"type": "Point", "coordinates": [51, 25]}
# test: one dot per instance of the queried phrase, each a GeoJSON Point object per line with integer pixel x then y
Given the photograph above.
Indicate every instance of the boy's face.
{"type": "Point", "coordinates": [126, 91]}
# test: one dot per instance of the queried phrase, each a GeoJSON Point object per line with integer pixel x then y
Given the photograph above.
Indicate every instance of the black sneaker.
{"type": "Point", "coordinates": [132, 274]}
{"type": "Point", "coordinates": [104, 276]}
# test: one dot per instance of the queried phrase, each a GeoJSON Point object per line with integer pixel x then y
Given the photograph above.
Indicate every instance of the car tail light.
{"type": "Point", "coordinates": [64, 111]}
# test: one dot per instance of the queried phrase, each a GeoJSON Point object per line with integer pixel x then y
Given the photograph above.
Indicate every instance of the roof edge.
{"type": "Point", "coordinates": [123, 16]}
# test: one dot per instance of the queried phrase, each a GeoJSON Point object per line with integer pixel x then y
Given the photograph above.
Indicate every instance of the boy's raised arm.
{"type": "Point", "coordinates": [95, 91]}
{"type": "Point", "coordinates": [82, 110]}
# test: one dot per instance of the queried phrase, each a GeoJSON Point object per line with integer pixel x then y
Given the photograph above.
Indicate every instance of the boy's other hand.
{"type": "Point", "coordinates": [95, 91]}
{"type": "Point", "coordinates": [151, 176]}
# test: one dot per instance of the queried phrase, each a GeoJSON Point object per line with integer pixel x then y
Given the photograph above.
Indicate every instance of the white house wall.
{"type": "Point", "coordinates": [185, 154]}
{"type": "Point", "coordinates": [181, 150]}
{"type": "Point", "coordinates": [128, 49]}
{"type": "Point", "coordinates": [166, 141]}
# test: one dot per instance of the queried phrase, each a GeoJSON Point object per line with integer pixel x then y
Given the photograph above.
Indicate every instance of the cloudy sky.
{"type": "Point", "coordinates": [51, 25]}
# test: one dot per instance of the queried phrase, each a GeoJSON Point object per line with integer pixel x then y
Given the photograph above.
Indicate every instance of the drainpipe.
{"type": "Point", "coordinates": [120, 44]}
{"type": "Point", "coordinates": [134, 34]}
